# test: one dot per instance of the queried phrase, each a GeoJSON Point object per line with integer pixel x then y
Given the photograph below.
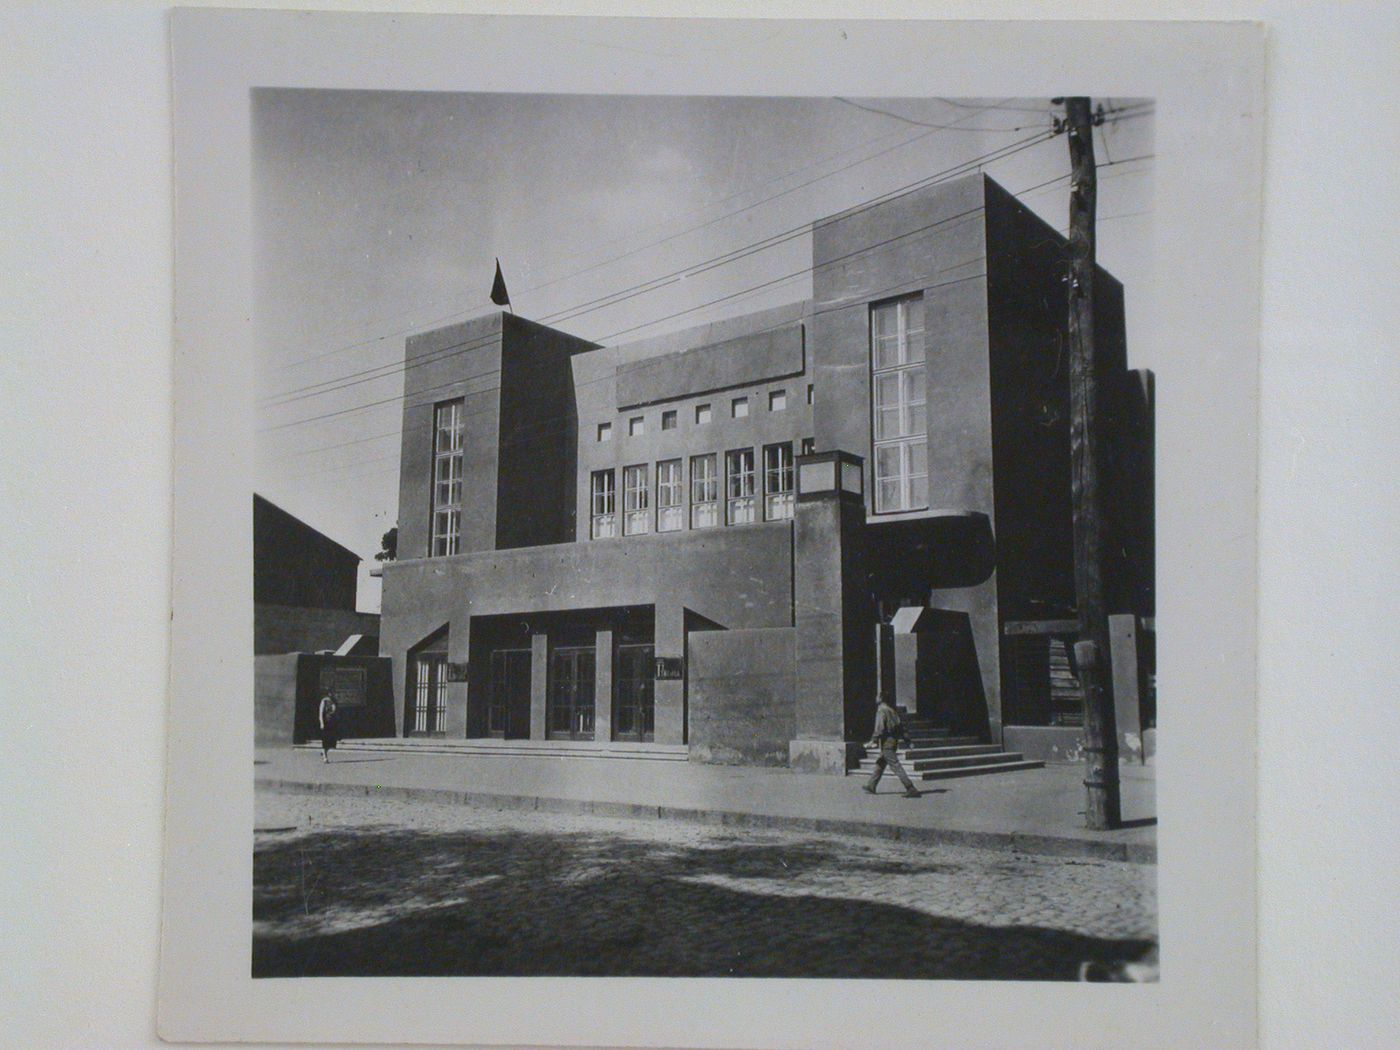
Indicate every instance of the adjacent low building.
{"type": "Point", "coordinates": [308, 638]}
{"type": "Point", "coordinates": [731, 538]}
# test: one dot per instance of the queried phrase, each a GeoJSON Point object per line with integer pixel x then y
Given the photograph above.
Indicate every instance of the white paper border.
{"type": "Point", "coordinates": [1206, 79]}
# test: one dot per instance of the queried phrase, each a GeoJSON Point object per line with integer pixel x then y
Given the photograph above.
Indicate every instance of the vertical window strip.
{"type": "Point", "coordinates": [899, 396]}
{"type": "Point", "coordinates": [447, 479]}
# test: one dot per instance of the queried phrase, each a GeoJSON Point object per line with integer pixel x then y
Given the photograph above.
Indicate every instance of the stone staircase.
{"type": "Point", "coordinates": [933, 753]}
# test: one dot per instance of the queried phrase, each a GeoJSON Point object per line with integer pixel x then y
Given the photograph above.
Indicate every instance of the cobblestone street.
{"type": "Point", "coordinates": [378, 887]}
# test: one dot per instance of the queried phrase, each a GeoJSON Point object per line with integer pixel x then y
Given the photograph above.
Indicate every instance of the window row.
{"type": "Point", "coordinates": [738, 409]}
{"type": "Point", "coordinates": [737, 500]}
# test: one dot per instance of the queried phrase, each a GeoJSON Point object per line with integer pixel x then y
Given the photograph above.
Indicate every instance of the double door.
{"type": "Point", "coordinates": [572, 686]}
{"type": "Point", "coordinates": [634, 711]}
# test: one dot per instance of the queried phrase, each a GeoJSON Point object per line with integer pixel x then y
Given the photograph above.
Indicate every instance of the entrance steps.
{"type": "Point", "coordinates": [515, 748]}
{"type": "Point", "coordinates": [933, 753]}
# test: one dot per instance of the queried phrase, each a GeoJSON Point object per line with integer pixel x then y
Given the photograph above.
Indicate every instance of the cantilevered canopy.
{"type": "Point", "coordinates": [948, 548]}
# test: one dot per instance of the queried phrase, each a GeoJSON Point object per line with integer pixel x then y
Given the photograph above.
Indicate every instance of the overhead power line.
{"type": "Point", "coordinates": [614, 298]}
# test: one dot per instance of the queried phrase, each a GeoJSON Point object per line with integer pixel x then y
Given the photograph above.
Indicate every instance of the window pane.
{"type": "Point", "coordinates": [604, 431]}
{"type": "Point", "coordinates": [704, 515]}
{"type": "Point", "coordinates": [669, 519]}
{"type": "Point", "coordinates": [914, 329]}
{"type": "Point", "coordinates": [702, 413]}
{"type": "Point", "coordinates": [918, 491]}
{"type": "Point", "coordinates": [740, 407]}
{"type": "Point", "coordinates": [887, 495]}
{"type": "Point", "coordinates": [777, 400]}
{"type": "Point", "coordinates": [668, 420]}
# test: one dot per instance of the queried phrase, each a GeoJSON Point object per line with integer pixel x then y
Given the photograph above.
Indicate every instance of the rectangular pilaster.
{"type": "Point", "coordinates": [669, 695]}
{"type": "Point", "coordinates": [1122, 639]}
{"type": "Point", "coordinates": [603, 686]}
{"type": "Point", "coordinates": [539, 683]}
{"type": "Point", "coordinates": [458, 694]}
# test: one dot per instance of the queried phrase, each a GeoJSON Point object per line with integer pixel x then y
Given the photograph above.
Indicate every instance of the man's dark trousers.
{"type": "Point", "coordinates": [888, 757]}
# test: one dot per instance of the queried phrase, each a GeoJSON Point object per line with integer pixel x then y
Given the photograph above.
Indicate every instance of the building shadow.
{"type": "Point", "coordinates": [393, 902]}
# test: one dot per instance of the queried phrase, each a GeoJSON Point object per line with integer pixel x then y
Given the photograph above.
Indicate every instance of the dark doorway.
{"type": "Point", "coordinates": [635, 711]}
{"type": "Point", "coordinates": [572, 682]}
{"type": "Point", "coordinates": [508, 713]}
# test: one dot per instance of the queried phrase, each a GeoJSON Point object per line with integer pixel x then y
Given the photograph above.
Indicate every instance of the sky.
{"type": "Point", "coordinates": [380, 214]}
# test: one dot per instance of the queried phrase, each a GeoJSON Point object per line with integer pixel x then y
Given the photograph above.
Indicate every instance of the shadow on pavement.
{"type": "Point", "coordinates": [380, 901]}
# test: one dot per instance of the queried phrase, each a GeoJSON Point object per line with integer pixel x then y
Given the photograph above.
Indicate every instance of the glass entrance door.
{"type": "Point", "coordinates": [428, 715]}
{"type": "Point", "coordinates": [571, 693]}
{"type": "Point", "coordinates": [508, 713]}
{"type": "Point", "coordinates": [635, 711]}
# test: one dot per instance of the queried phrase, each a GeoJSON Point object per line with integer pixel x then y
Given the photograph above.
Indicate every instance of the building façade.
{"type": "Point", "coordinates": [727, 540]}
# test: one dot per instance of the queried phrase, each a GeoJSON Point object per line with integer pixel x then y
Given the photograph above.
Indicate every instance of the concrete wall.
{"type": "Point", "coordinates": [535, 484]}
{"type": "Point", "coordinates": [459, 361]}
{"type": "Point", "coordinates": [597, 376]}
{"type": "Point", "coordinates": [287, 629]}
{"type": "Point", "coordinates": [745, 360]}
{"type": "Point", "coordinates": [274, 699]}
{"type": "Point", "coordinates": [737, 577]}
{"type": "Point", "coordinates": [293, 564]}
{"type": "Point", "coordinates": [930, 241]}
{"type": "Point", "coordinates": [741, 695]}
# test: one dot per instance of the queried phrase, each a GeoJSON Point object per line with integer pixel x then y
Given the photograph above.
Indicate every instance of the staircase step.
{"type": "Point", "coordinates": [914, 754]}
{"type": "Point", "coordinates": [973, 771]}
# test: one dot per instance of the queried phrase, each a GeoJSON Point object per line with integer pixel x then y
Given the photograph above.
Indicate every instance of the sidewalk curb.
{"type": "Point", "coordinates": [1012, 841]}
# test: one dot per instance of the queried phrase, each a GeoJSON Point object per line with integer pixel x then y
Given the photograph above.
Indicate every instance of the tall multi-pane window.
{"type": "Point", "coordinates": [704, 492]}
{"type": "Point", "coordinates": [670, 496]}
{"type": "Point", "coordinates": [739, 470]}
{"type": "Point", "coordinates": [897, 393]}
{"type": "Point", "coordinates": [447, 478]}
{"type": "Point", "coordinates": [603, 498]}
{"type": "Point", "coordinates": [777, 481]}
{"type": "Point", "coordinates": [636, 502]}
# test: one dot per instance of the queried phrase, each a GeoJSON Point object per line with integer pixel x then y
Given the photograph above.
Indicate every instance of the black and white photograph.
{"type": "Point", "coordinates": [705, 532]}
{"type": "Point", "coordinates": [702, 536]}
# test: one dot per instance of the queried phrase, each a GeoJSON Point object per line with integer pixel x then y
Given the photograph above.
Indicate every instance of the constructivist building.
{"type": "Point", "coordinates": [722, 543]}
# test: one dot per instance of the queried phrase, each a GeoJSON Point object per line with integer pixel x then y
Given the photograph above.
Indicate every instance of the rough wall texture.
{"type": "Point", "coordinates": [742, 687]}
{"type": "Point", "coordinates": [274, 699]}
{"type": "Point", "coordinates": [288, 629]}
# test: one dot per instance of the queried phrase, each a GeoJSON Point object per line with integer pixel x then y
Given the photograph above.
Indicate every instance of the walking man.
{"type": "Point", "coordinates": [889, 731]}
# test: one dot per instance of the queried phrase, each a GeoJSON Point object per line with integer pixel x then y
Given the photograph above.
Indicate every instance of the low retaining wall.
{"type": "Point", "coordinates": [742, 695]}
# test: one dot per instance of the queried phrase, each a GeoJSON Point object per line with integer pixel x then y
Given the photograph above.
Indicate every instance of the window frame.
{"type": "Point", "coordinates": [636, 500]}
{"type": "Point", "coordinates": [605, 433]}
{"type": "Point", "coordinates": [906, 373]}
{"type": "Point", "coordinates": [676, 486]}
{"type": "Point", "coordinates": [736, 404]}
{"type": "Point", "coordinates": [706, 408]}
{"type": "Point", "coordinates": [637, 426]}
{"type": "Point", "coordinates": [777, 400]}
{"type": "Point", "coordinates": [783, 499]}
{"type": "Point", "coordinates": [445, 517]}
{"type": "Point", "coordinates": [700, 505]}
{"type": "Point", "coordinates": [741, 503]}
{"type": "Point", "coordinates": [670, 419]}
{"type": "Point", "coordinates": [605, 516]}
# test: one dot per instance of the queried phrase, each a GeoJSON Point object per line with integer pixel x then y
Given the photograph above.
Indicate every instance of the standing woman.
{"type": "Point", "coordinates": [327, 717]}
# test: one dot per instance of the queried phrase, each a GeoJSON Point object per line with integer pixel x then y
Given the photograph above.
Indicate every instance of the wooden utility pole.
{"type": "Point", "coordinates": [1103, 804]}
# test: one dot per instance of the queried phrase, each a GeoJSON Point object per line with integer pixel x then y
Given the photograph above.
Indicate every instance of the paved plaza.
{"type": "Point", "coordinates": [382, 886]}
